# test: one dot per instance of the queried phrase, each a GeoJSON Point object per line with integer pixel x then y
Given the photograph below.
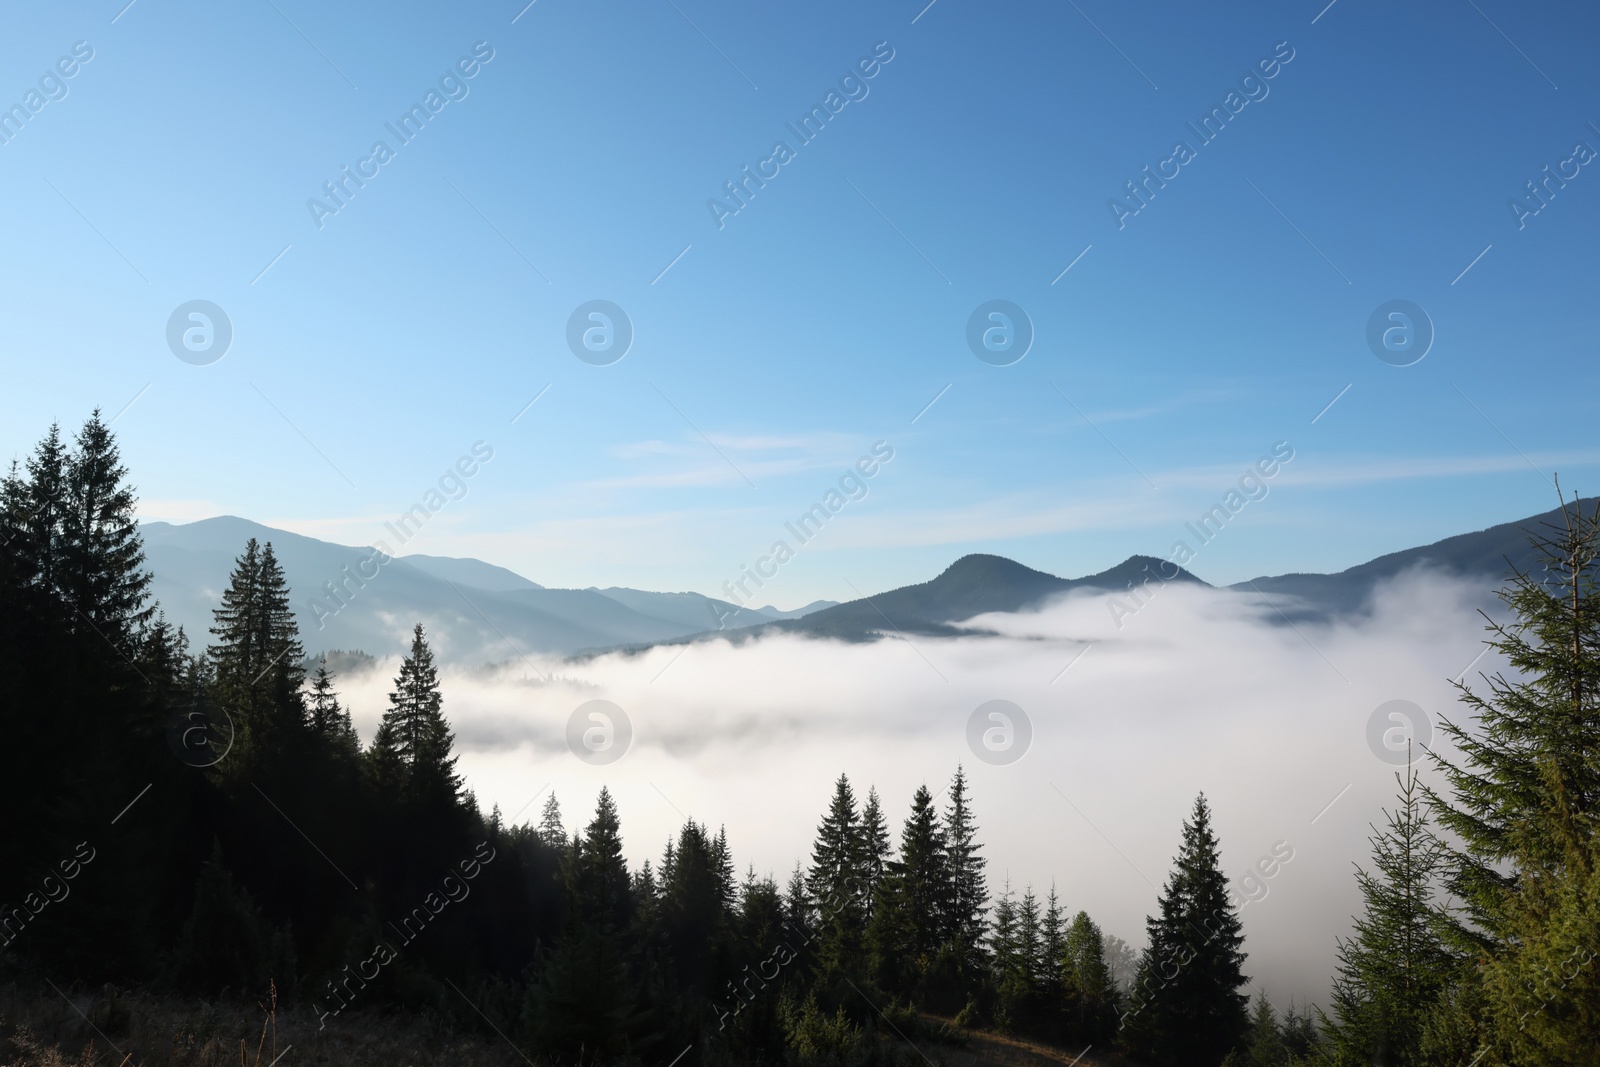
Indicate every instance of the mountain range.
{"type": "Point", "coordinates": [474, 611]}
{"type": "Point", "coordinates": [477, 612]}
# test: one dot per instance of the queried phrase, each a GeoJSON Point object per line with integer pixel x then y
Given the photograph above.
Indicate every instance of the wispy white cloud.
{"type": "Point", "coordinates": [729, 458]}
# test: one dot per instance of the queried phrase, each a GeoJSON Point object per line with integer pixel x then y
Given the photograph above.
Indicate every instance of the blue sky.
{"type": "Point", "coordinates": [372, 352]}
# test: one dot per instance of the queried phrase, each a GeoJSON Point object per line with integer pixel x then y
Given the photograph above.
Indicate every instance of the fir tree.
{"type": "Point", "coordinates": [413, 742]}
{"type": "Point", "coordinates": [722, 865]}
{"type": "Point", "coordinates": [1186, 1005]}
{"type": "Point", "coordinates": [35, 514]}
{"type": "Point", "coordinates": [237, 653]}
{"type": "Point", "coordinates": [1393, 969]}
{"type": "Point", "coordinates": [256, 666]}
{"type": "Point", "coordinates": [585, 1003]}
{"type": "Point", "coordinates": [1525, 803]}
{"type": "Point", "coordinates": [836, 884]}
{"type": "Point", "coordinates": [1053, 953]}
{"type": "Point", "coordinates": [875, 848]}
{"type": "Point", "coordinates": [101, 563]}
{"type": "Point", "coordinates": [329, 720]}
{"type": "Point", "coordinates": [967, 892]}
{"type": "Point", "coordinates": [797, 907]}
{"type": "Point", "coordinates": [696, 911]}
{"type": "Point", "coordinates": [1008, 962]}
{"type": "Point", "coordinates": [595, 873]}
{"type": "Point", "coordinates": [1091, 992]}
{"type": "Point", "coordinates": [1527, 791]}
{"type": "Point", "coordinates": [907, 930]}
{"type": "Point", "coordinates": [551, 831]}
{"type": "Point", "coordinates": [1264, 1045]}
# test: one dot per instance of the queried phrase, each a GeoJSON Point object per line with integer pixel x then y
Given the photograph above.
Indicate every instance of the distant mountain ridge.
{"type": "Point", "coordinates": [977, 584]}
{"type": "Point", "coordinates": [478, 612]}
{"type": "Point", "coordinates": [1489, 553]}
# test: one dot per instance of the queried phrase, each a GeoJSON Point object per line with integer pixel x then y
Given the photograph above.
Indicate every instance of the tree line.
{"type": "Point", "coordinates": [225, 827]}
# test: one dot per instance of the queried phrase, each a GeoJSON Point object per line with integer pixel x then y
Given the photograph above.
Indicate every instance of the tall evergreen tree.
{"type": "Point", "coordinates": [836, 882]}
{"type": "Point", "coordinates": [1264, 1045]}
{"type": "Point", "coordinates": [907, 924]}
{"type": "Point", "coordinates": [585, 1004]}
{"type": "Point", "coordinates": [1053, 953]}
{"type": "Point", "coordinates": [414, 741]}
{"type": "Point", "coordinates": [257, 676]}
{"type": "Point", "coordinates": [1525, 803]}
{"type": "Point", "coordinates": [102, 575]}
{"type": "Point", "coordinates": [596, 874]}
{"type": "Point", "coordinates": [1008, 962]}
{"type": "Point", "coordinates": [697, 914]}
{"type": "Point", "coordinates": [1393, 969]}
{"type": "Point", "coordinates": [1527, 789]}
{"type": "Point", "coordinates": [1186, 1005]}
{"type": "Point", "coordinates": [329, 720]}
{"type": "Point", "coordinates": [551, 830]}
{"type": "Point", "coordinates": [35, 514]}
{"type": "Point", "coordinates": [875, 848]}
{"type": "Point", "coordinates": [1091, 993]}
{"type": "Point", "coordinates": [967, 891]}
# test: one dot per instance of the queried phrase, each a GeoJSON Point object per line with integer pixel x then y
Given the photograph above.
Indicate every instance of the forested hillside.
{"type": "Point", "coordinates": [195, 813]}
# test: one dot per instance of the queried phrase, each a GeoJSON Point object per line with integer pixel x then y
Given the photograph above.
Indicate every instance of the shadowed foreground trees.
{"type": "Point", "coordinates": [220, 825]}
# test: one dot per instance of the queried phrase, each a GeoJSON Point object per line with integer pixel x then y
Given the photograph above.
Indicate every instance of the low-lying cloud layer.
{"type": "Point", "coordinates": [1201, 690]}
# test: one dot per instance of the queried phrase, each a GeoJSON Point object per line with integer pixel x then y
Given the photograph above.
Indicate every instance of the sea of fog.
{"type": "Point", "coordinates": [1201, 690]}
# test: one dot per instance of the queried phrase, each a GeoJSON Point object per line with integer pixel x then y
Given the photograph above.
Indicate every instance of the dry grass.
{"type": "Point", "coordinates": [108, 1028]}
{"type": "Point", "coordinates": [984, 1049]}
{"type": "Point", "coordinates": [111, 1029]}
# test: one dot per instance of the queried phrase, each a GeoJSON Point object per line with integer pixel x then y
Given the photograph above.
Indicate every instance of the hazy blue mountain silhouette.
{"type": "Point", "coordinates": [477, 612]}
{"type": "Point", "coordinates": [973, 585]}
{"type": "Point", "coordinates": [1487, 555]}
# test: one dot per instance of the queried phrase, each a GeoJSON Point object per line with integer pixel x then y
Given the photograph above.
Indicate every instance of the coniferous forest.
{"type": "Point", "coordinates": [193, 816]}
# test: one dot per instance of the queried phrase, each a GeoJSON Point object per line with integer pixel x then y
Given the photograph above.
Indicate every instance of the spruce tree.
{"type": "Point", "coordinates": [874, 844]}
{"type": "Point", "coordinates": [235, 653]}
{"type": "Point", "coordinates": [551, 831]}
{"type": "Point", "coordinates": [101, 564]}
{"type": "Point", "coordinates": [1525, 803]}
{"type": "Point", "coordinates": [1052, 954]}
{"type": "Point", "coordinates": [35, 514]}
{"type": "Point", "coordinates": [836, 883]}
{"type": "Point", "coordinates": [907, 928]}
{"type": "Point", "coordinates": [697, 913]}
{"type": "Point", "coordinates": [1008, 962]}
{"type": "Point", "coordinates": [256, 664]}
{"type": "Point", "coordinates": [1393, 969]}
{"type": "Point", "coordinates": [967, 891]}
{"type": "Point", "coordinates": [1091, 993]}
{"type": "Point", "coordinates": [1264, 1045]}
{"type": "Point", "coordinates": [414, 742]}
{"type": "Point", "coordinates": [329, 720]}
{"type": "Point", "coordinates": [584, 1004]}
{"type": "Point", "coordinates": [596, 874]}
{"type": "Point", "coordinates": [284, 675]}
{"type": "Point", "coordinates": [722, 864]}
{"type": "Point", "coordinates": [1527, 788]}
{"type": "Point", "coordinates": [1186, 1006]}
